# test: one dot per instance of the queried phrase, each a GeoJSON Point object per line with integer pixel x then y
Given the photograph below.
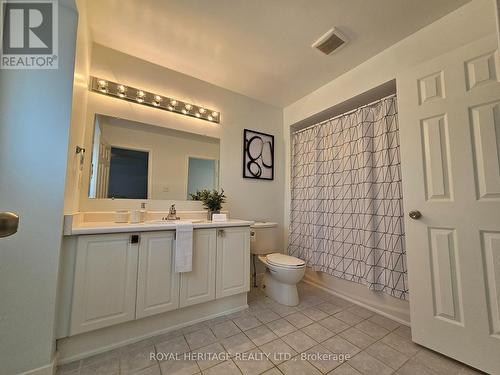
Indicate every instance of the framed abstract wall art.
{"type": "Point", "coordinates": [258, 155]}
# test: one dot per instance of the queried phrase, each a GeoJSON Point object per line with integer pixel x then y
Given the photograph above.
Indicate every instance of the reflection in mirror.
{"type": "Point", "coordinates": [132, 160]}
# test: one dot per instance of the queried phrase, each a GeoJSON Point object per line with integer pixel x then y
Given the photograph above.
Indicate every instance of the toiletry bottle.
{"type": "Point", "coordinates": [144, 212]}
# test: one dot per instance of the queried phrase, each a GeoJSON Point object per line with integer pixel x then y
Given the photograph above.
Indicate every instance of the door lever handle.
{"type": "Point", "coordinates": [9, 222]}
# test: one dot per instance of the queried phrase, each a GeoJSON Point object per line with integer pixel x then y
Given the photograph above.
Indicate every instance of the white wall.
{"type": "Point", "coordinates": [247, 199]}
{"type": "Point", "coordinates": [168, 152]}
{"type": "Point", "coordinates": [35, 112]}
{"type": "Point", "coordinates": [468, 23]}
{"type": "Point", "coordinates": [78, 113]}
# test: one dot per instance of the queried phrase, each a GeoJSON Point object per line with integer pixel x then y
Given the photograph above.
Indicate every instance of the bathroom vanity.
{"type": "Point", "coordinates": [118, 283]}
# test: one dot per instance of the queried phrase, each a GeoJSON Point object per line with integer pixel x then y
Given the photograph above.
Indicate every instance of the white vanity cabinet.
{"type": "Point", "coordinates": [122, 277]}
{"type": "Point", "coordinates": [105, 281]}
{"type": "Point", "coordinates": [157, 283]}
{"type": "Point", "coordinates": [233, 261]}
{"type": "Point", "coordinates": [198, 285]}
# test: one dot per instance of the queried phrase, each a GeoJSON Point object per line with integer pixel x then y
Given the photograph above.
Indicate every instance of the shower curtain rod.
{"type": "Point", "coordinates": [344, 114]}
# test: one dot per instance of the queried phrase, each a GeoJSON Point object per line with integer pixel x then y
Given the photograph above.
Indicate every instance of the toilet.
{"type": "Point", "coordinates": [283, 272]}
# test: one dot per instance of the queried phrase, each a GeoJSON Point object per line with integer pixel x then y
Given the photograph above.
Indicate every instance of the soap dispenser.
{"type": "Point", "coordinates": [143, 211]}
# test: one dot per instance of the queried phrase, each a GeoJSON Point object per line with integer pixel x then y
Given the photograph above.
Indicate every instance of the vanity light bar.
{"type": "Point", "coordinates": [150, 99]}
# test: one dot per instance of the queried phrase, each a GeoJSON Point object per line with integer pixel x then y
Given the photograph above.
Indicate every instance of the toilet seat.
{"type": "Point", "coordinates": [284, 261]}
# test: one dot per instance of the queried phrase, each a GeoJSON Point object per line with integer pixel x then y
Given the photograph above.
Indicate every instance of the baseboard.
{"type": "Point", "coordinates": [80, 352]}
{"type": "Point", "coordinates": [357, 302]}
{"type": "Point", "coordinates": [49, 369]}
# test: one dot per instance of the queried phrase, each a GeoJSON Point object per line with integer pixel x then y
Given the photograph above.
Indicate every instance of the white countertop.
{"type": "Point", "coordinates": [110, 227]}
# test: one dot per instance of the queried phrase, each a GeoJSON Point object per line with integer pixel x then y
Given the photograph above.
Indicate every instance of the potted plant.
{"type": "Point", "coordinates": [212, 200]}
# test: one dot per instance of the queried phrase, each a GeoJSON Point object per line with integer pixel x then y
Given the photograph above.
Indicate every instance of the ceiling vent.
{"type": "Point", "coordinates": [331, 41]}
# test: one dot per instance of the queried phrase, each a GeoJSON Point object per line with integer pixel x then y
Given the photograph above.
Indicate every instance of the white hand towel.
{"type": "Point", "coordinates": [183, 247]}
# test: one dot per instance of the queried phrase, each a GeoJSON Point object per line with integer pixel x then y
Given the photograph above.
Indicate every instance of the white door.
{"type": "Point", "coordinates": [198, 285]}
{"type": "Point", "coordinates": [105, 281]}
{"type": "Point", "coordinates": [103, 167]}
{"type": "Point", "coordinates": [233, 261]}
{"type": "Point", "coordinates": [449, 114]}
{"type": "Point", "coordinates": [157, 284]}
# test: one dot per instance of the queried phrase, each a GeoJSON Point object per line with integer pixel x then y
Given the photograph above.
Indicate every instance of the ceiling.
{"type": "Point", "coordinates": [258, 48]}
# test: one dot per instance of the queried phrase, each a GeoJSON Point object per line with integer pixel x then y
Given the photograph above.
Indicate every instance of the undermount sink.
{"type": "Point", "coordinates": [165, 221]}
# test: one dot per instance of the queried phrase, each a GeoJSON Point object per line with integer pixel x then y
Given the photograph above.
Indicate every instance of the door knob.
{"type": "Point", "coordinates": [9, 222]}
{"type": "Point", "coordinates": [415, 215]}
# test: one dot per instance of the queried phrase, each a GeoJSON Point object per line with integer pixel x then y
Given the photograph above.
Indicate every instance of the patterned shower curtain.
{"type": "Point", "coordinates": [346, 198]}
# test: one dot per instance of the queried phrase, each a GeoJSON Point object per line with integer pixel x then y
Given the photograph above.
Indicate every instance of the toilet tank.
{"type": "Point", "coordinates": [264, 238]}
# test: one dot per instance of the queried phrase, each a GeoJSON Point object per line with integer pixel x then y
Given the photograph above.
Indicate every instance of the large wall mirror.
{"type": "Point", "coordinates": [132, 160]}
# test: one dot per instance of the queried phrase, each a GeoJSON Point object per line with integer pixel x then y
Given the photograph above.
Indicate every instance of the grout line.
{"type": "Point", "coordinates": [263, 306]}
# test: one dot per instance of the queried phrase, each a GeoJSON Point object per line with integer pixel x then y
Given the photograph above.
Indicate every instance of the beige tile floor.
{"type": "Point", "coordinates": [305, 340]}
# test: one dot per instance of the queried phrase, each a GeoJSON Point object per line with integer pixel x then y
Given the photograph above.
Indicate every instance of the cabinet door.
{"type": "Point", "coordinates": [199, 285]}
{"type": "Point", "coordinates": [233, 261]}
{"type": "Point", "coordinates": [105, 282]}
{"type": "Point", "coordinates": [158, 285]}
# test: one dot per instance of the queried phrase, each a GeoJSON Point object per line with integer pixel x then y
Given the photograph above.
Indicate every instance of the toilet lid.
{"type": "Point", "coordinates": [283, 260]}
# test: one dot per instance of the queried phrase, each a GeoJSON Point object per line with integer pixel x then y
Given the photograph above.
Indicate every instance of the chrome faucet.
{"type": "Point", "coordinates": [172, 213]}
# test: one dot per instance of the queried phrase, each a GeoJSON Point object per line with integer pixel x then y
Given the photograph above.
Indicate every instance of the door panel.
{"type": "Point", "coordinates": [105, 282]}
{"type": "Point", "coordinates": [450, 137]}
{"type": "Point", "coordinates": [435, 139]}
{"type": "Point", "coordinates": [233, 261]}
{"type": "Point", "coordinates": [485, 123]}
{"type": "Point", "coordinates": [198, 285]}
{"type": "Point", "coordinates": [491, 259]}
{"type": "Point", "coordinates": [157, 283]}
{"type": "Point", "coordinates": [481, 70]}
{"type": "Point", "coordinates": [446, 291]}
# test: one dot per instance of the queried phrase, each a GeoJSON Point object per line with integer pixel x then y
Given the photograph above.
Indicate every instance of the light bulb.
{"type": "Point", "coordinates": [184, 111]}
{"type": "Point", "coordinates": [215, 114]}
{"type": "Point", "coordinates": [188, 106]}
{"type": "Point", "coordinates": [141, 93]}
{"type": "Point", "coordinates": [140, 100]}
{"type": "Point", "coordinates": [198, 115]}
{"type": "Point", "coordinates": [121, 91]}
{"type": "Point", "coordinates": [173, 102]}
{"type": "Point", "coordinates": [202, 110]}
{"type": "Point", "coordinates": [102, 86]}
{"type": "Point", "coordinates": [210, 118]}
{"type": "Point", "coordinates": [157, 100]}
{"type": "Point", "coordinates": [170, 108]}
